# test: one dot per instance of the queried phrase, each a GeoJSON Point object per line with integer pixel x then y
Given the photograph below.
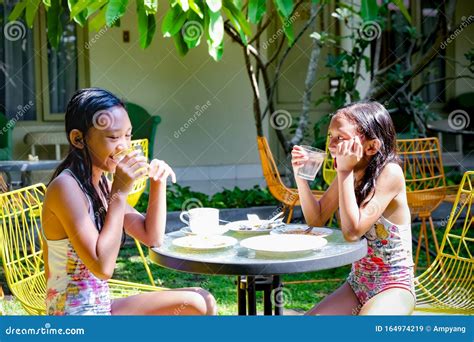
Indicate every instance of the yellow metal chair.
{"type": "Point", "coordinates": [425, 185]}
{"type": "Point", "coordinates": [287, 196]}
{"type": "Point", "coordinates": [447, 285]}
{"type": "Point", "coordinates": [329, 172]}
{"type": "Point", "coordinates": [21, 249]}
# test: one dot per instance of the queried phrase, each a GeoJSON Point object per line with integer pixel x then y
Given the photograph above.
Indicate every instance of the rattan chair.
{"type": "Point", "coordinates": [287, 196]}
{"type": "Point", "coordinates": [447, 285]}
{"type": "Point", "coordinates": [425, 185]}
{"type": "Point", "coordinates": [21, 249]}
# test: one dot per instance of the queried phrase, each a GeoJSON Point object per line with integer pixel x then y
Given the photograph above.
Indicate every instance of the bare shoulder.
{"type": "Point", "coordinates": [392, 177]}
{"type": "Point", "coordinates": [61, 191]}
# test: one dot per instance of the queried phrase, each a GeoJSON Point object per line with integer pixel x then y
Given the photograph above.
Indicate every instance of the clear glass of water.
{"type": "Point", "coordinates": [311, 167]}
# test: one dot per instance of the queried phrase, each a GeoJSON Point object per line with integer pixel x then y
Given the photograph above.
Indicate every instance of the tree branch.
{"type": "Point", "coordinates": [285, 55]}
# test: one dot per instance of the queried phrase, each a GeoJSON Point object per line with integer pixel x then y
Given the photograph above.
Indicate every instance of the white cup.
{"type": "Point", "coordinates": [202, 221]}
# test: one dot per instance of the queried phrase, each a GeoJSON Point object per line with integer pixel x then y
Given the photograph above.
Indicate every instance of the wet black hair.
{"type": "Point", "coordinates": [82, 114]}
{"type": "Point", "coordinates": [373, 122]}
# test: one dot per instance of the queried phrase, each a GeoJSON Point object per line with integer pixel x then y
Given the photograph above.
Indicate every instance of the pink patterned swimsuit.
{"type": "Point", "coordinates": [72, 289]}
{"type": "Point", "coordinates": [388, 263]}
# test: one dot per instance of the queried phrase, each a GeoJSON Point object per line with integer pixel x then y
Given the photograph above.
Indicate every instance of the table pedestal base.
{"type": "Point", "coordinates": [246, 294]}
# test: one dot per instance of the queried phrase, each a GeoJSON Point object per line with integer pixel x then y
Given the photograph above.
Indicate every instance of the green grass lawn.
{"type": "Point", "coordinates": [298, 297]}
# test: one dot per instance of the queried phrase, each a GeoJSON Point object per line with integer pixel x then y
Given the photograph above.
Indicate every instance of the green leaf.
{"type": "Point", "coordinates": [77, 6]}
{"type": "Point", "coordinates": [287, 26]}
{"type": "Point", "coordinates": [195, 8]}
{"type": "Point", "coordinates": [115, 10]}
{"type": "Point", "coordinates": [180, 44]}
{"type": "Point", "coordinates": [184, 4]}
{"type": "Point", "coordinates": [151, 6]}
{"type": "Point", "coordinates": [403, 9]}
{"type": "Point", "coordinates": [237, 19]}
{"type": "Point", "coordinates": [368, 9]}
{"type": "Point", "coordinates": [216, 52]}
{"type": "Point", "coordinates": [173, 21]}
{"type": "Point", "coordinates": [216, 28]}
{"type": "Point", "coordinates": [47, 4]}
{"type": "Point", "coordinates": [55, 26]}
{"type": "Point", "coordinates": [78, 10]}
{"type": "Point", "coordinates": [17, 11]}
{"type": "Point", "coordinates": [146, 25]}
{"type": "Point", "coordinates": [214, 5]}
{"type": "Point", "coordinates": [192, 30]}
{"type": "Point", "coordinates": [94, 6]}
{"type": "Point", "coordinates": [285, 7]}
{"type": "Point", "coordinates": [257, 9]}
{"type": "Point", "coordinates": [96, 23]}
{"type": "Point", "coordinates": [31, 9]}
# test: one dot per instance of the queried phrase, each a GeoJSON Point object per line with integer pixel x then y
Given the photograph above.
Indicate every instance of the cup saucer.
{"type": "Point", "coordinates": [222, 229]}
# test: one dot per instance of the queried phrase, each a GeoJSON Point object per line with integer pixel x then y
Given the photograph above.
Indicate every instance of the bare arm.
{"type": "Point", "coordinates": [151, 229]}
{"type": "Point", "coordinates": [355, 220]}
{"type": "Point", "coordinates": [98, 251]}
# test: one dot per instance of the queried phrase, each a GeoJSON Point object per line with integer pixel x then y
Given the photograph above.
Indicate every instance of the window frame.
{"type": "Point", "coordinates": [41, 68]}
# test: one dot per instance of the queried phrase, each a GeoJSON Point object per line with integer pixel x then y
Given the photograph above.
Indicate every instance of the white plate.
{"type": "Point", "coordinates": [199, 242]}
{"type": "Point", "coordinates": [299, 229]}
{"type": "Point", "coordinates": [186, 230]}
{"type": "Point", "coordinates": [281, 245]}
{"type": "Point", "coordinates": [249, 227]}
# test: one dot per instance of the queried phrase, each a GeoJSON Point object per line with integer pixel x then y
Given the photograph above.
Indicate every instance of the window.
{"type": "Point", "coordinates": [43, 79]}
{"type": "Point", "coordinates": [17, 68]}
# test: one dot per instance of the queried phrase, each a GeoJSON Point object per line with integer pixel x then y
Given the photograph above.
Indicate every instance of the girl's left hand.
{"type": "Point", "coordinates": [159, 171]}
{"type": "Point", "coordinates": [348, 154]}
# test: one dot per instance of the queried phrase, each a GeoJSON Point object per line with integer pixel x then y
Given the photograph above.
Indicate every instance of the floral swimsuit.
{"type": "Point", "coordinates": [388, 263]}
{"type": "Point", "coordinates": [72, 289]}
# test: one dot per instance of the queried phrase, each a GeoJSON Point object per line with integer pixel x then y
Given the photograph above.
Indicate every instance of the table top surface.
{"type": "Point", "coordinates": [238, 260]}
{"type": "Point", "coordinates": [28, 165]}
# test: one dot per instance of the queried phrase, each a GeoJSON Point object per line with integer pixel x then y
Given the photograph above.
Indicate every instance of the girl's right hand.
{"type": "Point", "coordinates": [130, 168]}
{"type": "Point", "coordinates": [298, 158]}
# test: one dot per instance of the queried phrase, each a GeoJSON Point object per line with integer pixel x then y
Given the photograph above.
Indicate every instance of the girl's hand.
{"type": "Point", "coordinates": [348, 154]}
{"type": "Point", "coordinates": [298, 158]}
{"type": "Point", "coordinates": [130, 168]}
{"type": "Point", "coordinates": [160, 171]}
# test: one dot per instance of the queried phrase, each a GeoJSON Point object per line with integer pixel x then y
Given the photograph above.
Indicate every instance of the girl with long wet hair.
{"type": "Point", "coordinates": [85, 216]}
{"type": "Point", "coordinates": [369, 191]}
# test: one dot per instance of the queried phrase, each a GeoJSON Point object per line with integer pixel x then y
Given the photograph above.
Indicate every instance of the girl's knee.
{"type": "Point", "coordinates": [203, 301]}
